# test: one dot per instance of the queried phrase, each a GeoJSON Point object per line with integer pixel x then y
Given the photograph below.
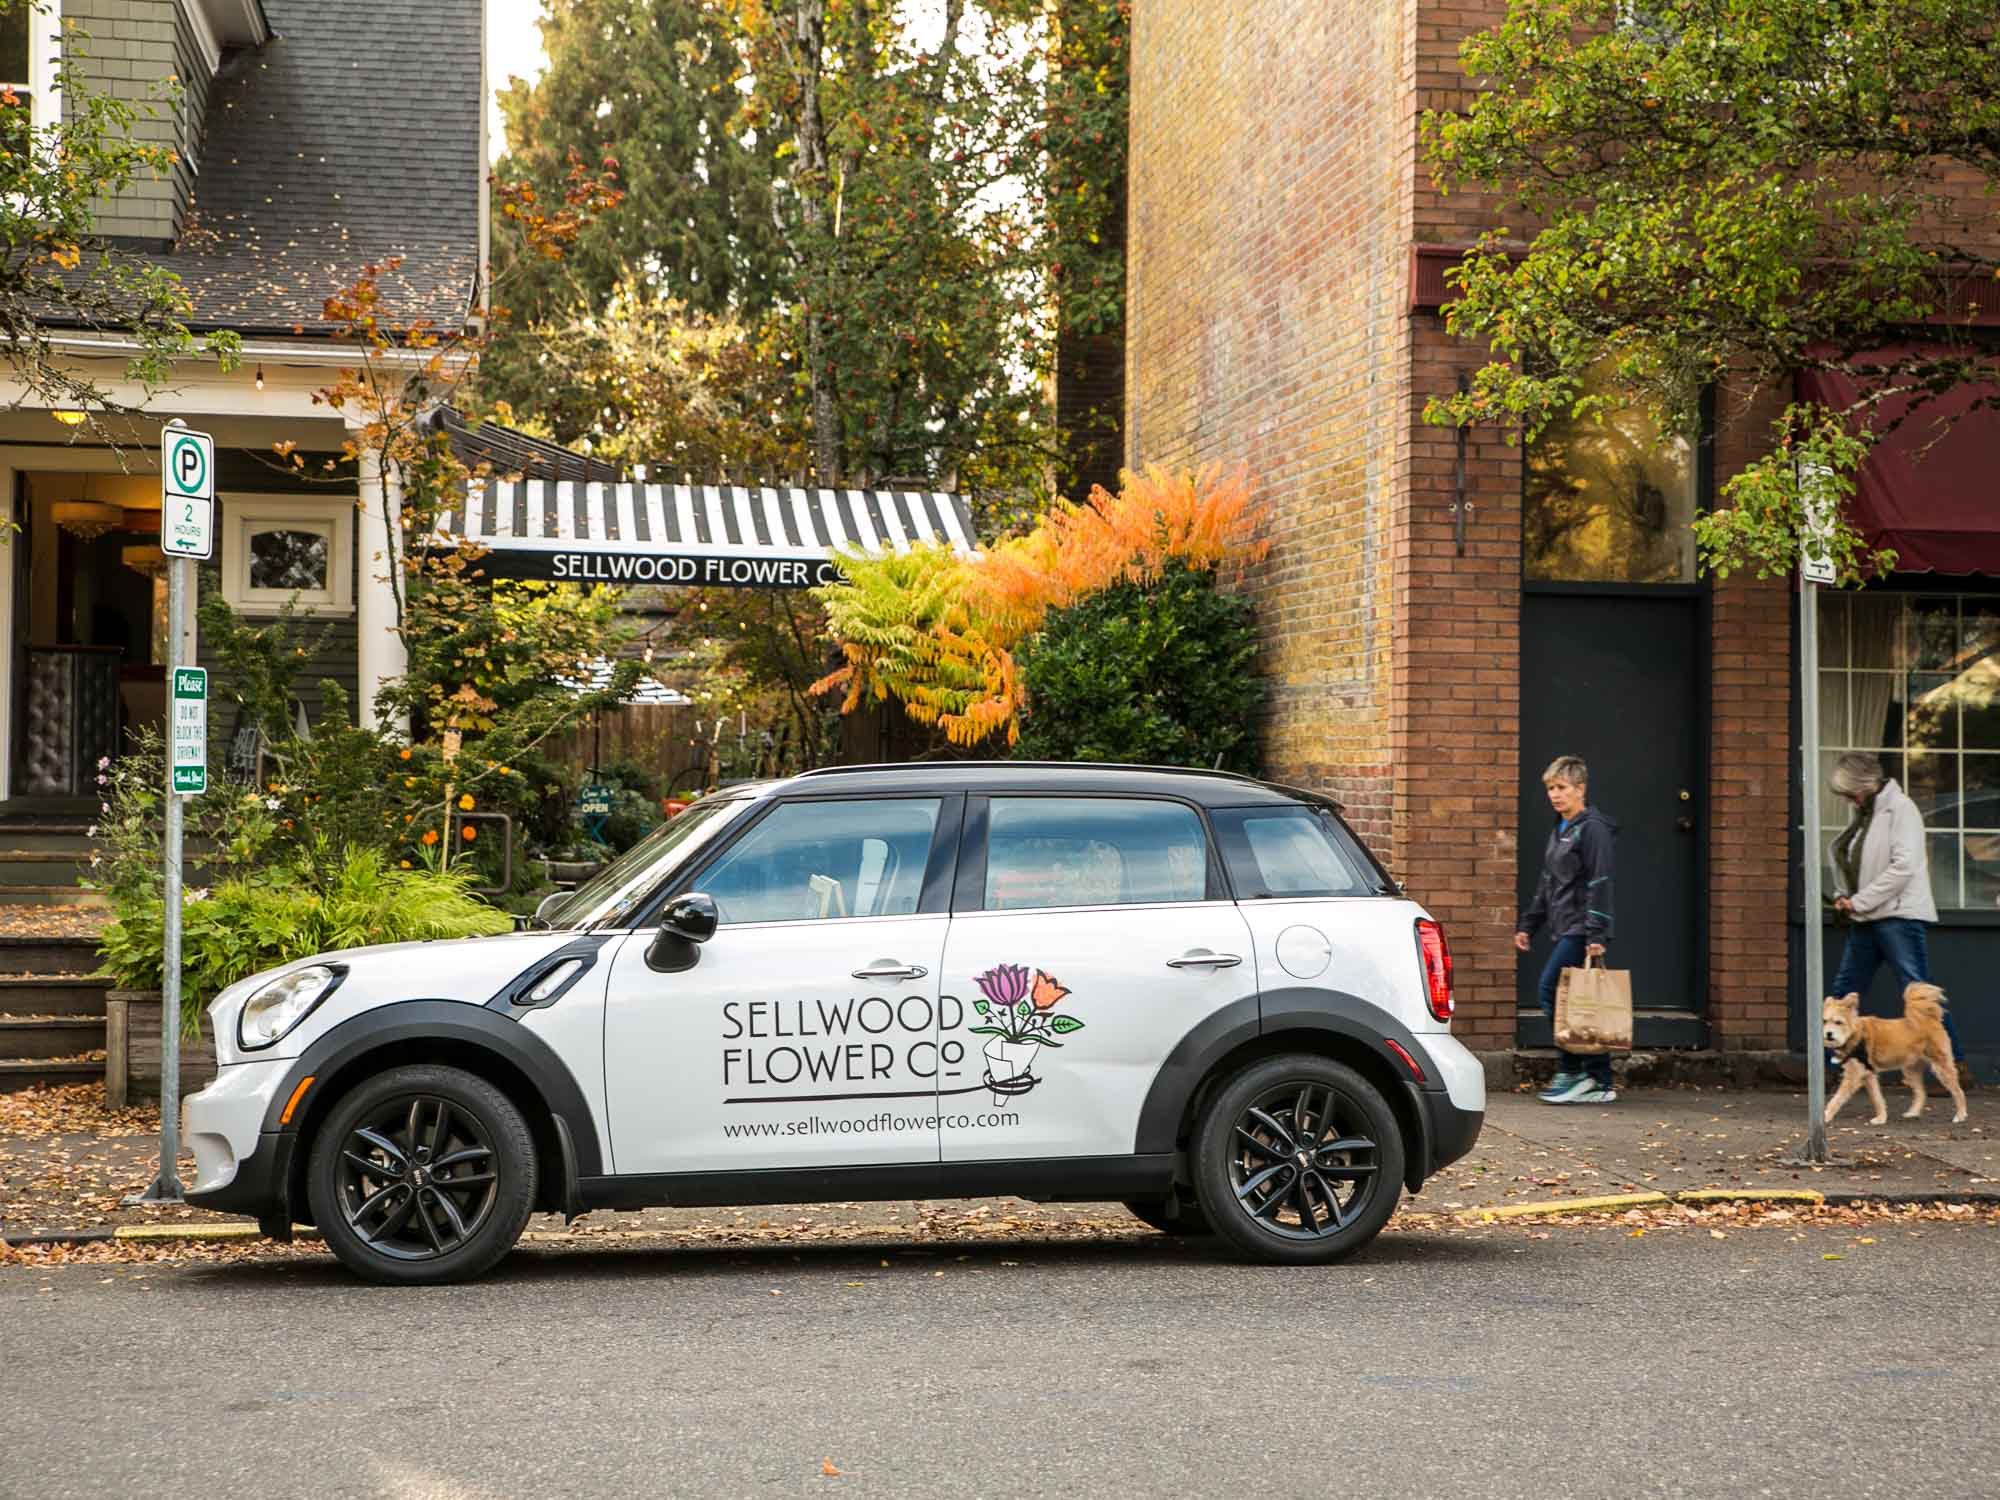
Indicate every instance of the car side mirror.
{"type": "Point", "coordinates": [687, 923]}
{"type": "Point", "coordinates": [546, 905]}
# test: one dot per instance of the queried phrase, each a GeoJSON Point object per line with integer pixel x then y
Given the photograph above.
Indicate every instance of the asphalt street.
{"type": "Point", "coordinates": [1510, 1361]}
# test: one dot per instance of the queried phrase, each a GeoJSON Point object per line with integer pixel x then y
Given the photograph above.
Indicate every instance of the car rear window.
{"type": "Point", "coordinates": [1279, 852]}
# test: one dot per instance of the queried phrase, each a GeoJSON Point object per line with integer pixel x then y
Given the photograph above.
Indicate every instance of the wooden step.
{"type": "Point", "coordinates": [49, 895]}
{"type": "Point", "coordinates": [41, 1037]}
{"type": "Point", "coordinates": [48, 955]}
{"type": "Point", "coordinates": [15, 1076]}
{"type": "Point", "coordinates": [46, 840]}
{"type": "Point", "coordinates": [34, 867]}
{"type": "Point", "coordinates": [52, 994]}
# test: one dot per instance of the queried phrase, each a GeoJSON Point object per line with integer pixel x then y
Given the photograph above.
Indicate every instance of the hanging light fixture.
{"type": "Point", "coordinates": [142, 559]}
{"type": "Point", "coordinates": [88, 518]}
{"type": "Point", "coordinates": [260, 377]}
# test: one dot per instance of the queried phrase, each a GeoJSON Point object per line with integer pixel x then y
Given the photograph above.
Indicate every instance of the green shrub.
{"type": "Point", "coordinates": [1153, 674]}
{"type": "Point", "coordinates": [244, 926]}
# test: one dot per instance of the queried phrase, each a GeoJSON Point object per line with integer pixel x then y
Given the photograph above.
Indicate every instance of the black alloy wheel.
{"type": "Point", "coordinates": [1299, 1159]}
{"type": "Point", "coordinates": [418, 1183]}
{"type": "Point", "coordinates": [422, 1174]}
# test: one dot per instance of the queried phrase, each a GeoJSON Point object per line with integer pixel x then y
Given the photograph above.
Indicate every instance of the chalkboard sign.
{"type": "Point", "coordinates": [246, 748]}
{"type": "Point", "coordinates": [593, 807]}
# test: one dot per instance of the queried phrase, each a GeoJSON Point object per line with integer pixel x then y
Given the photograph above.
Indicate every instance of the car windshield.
{"type": "Point", "coordinates": [609, 897]}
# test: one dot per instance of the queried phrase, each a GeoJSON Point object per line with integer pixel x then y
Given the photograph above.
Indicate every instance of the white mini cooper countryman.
{"type": "Point", "coordinates": [1194, 993]}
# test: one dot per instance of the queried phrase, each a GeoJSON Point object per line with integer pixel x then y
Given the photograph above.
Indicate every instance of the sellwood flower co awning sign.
{"type": "Point", "coordinates": [698, 536]}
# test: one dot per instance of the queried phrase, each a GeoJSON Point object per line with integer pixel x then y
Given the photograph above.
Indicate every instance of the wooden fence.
{"type": "Point", "coordinates": [668, 741]}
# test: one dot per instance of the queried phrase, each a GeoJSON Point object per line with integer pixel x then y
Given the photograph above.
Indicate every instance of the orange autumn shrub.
{"type": "Point", "coordinates": [935, 631]}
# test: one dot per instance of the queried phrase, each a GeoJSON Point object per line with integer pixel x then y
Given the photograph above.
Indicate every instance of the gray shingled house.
{"type": "Point", "coordinates": [315, 137]}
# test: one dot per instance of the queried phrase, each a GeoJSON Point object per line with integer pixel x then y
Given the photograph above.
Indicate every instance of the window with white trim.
{"type": "Point", "coordinates": [278, 549]}
{"type": "Point", "coordinates": [1915, 678]}
{"type": "Point", "coordinates": [30, 51]}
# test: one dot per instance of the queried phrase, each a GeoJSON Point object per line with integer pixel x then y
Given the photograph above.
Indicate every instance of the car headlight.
{"type": "Point", "coordinates": [283, 1003]}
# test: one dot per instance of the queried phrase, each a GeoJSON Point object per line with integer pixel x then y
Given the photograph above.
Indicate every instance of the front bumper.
{"type": "Point", "coordinates": [240, 1168]}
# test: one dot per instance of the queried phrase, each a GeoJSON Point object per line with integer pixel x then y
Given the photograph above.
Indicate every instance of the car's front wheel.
{"type": "Point", "coordinates": [422, 1174]}
{"type": "Point", "coordinates": [1298, 1159]}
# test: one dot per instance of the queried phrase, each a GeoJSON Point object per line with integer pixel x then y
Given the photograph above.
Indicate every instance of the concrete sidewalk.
{"type": "Point", "coordinates": [1671, 1140]}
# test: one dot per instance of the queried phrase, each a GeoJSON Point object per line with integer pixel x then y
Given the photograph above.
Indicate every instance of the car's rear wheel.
{"type": "Point", "coordinates": [1298, 1159]}
{"type": "Point", "coordinates": [422, 1174]}
{"type": "Point", "coordinates": [1184, 1216]}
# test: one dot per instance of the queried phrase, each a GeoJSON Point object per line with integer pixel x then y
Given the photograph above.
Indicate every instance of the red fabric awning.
{"type": "Point", "coordinates": [1930, 489]}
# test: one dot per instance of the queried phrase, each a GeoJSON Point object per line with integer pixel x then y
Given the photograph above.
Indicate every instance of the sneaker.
{"type": "Point", "coordinates": [1599, 1094]}
{"type": "Point", "coordinates": [1562, 1083]}
{"type": "Point", "coordinates": [1578, 1092]}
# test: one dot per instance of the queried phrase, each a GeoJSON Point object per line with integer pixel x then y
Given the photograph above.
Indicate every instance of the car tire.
{"type": "Point", "coordinates": [1260, 1177]}
{"type": "Point", "coordinates": [421, 1175]}
{"type": "Point", "coordinates": [1186, 1217]}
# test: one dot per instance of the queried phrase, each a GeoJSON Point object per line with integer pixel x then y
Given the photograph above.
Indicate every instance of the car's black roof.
{"type": "Point", "coordinates": [1206, 788]}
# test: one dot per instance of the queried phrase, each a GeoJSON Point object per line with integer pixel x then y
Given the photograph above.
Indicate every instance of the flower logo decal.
{"type": "Point", "coordinates": [1016, 1011]}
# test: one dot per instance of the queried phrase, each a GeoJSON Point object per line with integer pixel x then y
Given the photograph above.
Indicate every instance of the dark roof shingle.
{"type": "Point", "coordinates": [350, 137]}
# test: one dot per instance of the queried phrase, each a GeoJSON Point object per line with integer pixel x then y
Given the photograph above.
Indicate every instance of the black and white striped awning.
{"type": "Point", "coordinates": [718, 536]}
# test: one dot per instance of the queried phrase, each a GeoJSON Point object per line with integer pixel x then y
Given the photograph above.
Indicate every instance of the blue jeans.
{"type": "Point", "coordinates": [1568, 953]}
{"type": "Point", "coordinates": [1899, 940]}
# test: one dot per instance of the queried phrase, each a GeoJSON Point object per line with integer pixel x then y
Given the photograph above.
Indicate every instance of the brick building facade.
{"type": "Point", "coordinates": [1286, 247]}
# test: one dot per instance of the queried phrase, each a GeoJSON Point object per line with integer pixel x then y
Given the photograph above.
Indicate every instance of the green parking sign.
{"type": "Point", "coordinates": [190, 731]}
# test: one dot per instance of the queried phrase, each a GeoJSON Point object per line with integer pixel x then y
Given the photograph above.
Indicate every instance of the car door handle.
{"type": "Point", "coordinates": [1201, 958]}
{"type": "Point", "coordinates": [888, 968]}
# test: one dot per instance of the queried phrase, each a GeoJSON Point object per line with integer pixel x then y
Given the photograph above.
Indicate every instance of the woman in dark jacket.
{"type": "Point", "coordinates": [1573, 898]}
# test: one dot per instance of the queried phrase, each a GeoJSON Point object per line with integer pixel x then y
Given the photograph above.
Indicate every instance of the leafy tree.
{"type": "Point", "coordinates": [934, 192]}
{"type": "Point", "coordinates": [54, 269]}
{"type": "Point", "coordinates": [697, 394]}
{"type": "Point", "coordinates": [495, 669]}
{"type": "Point", "coordinates": [1729, 192]}
{"type": "Point", "coordinates": [654, 87]}
{"type": "Point", "coordinates": [1155, 673]}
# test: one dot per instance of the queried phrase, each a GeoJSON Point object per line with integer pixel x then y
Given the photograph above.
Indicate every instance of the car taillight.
{"type": "Point", "coordinates": [1436, 956]}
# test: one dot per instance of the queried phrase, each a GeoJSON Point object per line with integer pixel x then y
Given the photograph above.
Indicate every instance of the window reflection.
{"type": "Point", "coordinates": [288, 561]}
{"type": "Point", "coordinates": [1916, 678]}
{"type": "Point", "coordinates": [1608, 500]}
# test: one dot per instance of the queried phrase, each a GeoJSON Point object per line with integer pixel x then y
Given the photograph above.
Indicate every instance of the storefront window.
{"type": "Point", "coordinates": [1916, 679]}
{"type": "Point", "coordinates": [1609, 500]}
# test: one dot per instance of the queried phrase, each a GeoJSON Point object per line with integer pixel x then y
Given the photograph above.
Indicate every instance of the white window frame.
{"type": "Point", "coordinates": [45, 39]}
{"type": "Point", "coordinates": [243, 515]}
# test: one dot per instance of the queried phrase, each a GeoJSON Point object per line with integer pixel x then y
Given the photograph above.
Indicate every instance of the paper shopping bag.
{"type": "Point", "coordinates": [1594, 1009]}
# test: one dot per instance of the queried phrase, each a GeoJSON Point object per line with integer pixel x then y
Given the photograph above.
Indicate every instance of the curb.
{"type": "Point", "coordinates": [1701, 1197]}
{"type": "Point", "coordinates": [1549, 1206]}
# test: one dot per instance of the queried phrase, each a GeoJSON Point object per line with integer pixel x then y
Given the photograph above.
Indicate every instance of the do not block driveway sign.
{"type": "Point", "coordinates": [190, 731]}
{"type": "Point", "coordinates": [187, 482]}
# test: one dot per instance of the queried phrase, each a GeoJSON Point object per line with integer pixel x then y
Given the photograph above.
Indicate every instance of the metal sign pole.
{"type": "Point", "coordinates": [166, 1187]}
{"type": "Point", "coordinates": [187, 518]}
{"type": "Point", "coordinates": [1815, 951]}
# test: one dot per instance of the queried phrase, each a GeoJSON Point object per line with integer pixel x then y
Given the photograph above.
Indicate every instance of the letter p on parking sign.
{"type": "Point", "coordinates": [187, 485]}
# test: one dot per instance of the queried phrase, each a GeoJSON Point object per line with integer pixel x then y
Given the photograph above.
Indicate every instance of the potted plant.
{"type": "Point", "coordinates": [1016, 1010]}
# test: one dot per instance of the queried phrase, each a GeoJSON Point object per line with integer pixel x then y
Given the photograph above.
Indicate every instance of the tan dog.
{"type": "Point", "coordinates": [1869, 1044]}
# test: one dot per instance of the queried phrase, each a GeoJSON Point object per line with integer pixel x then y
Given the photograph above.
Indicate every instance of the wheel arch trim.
{"type": "Point", "coordinates": [1314, 1014]}
{"type": "Point", "coordinates": [335, 1058]}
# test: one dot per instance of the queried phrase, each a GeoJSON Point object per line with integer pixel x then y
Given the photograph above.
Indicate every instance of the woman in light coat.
{"type": "Point", "coordinates": [1882, 882]}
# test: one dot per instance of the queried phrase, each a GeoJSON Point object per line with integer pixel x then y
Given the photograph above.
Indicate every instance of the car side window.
{"type": "Point", "coordinates": [809, 861]}
{"type": "Point", "coordinates": [1092, 851]}
{"type": "Point", "coordinates": [1282, 852]}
